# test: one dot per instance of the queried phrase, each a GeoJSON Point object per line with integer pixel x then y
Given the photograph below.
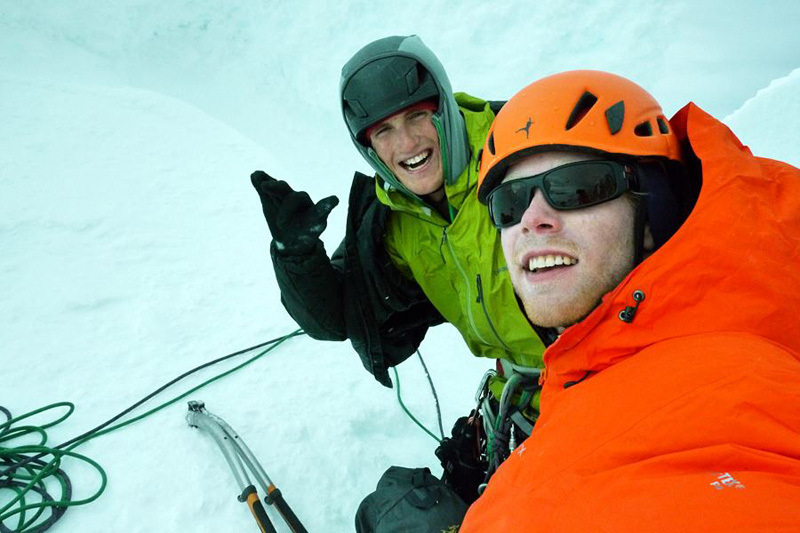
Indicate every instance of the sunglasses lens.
{"type": "Point", "coordinates": [578, 186]}
{"type": "Point", "coordinates": [509, 201]}
{"type": "Point", "coordinates": [572, 186]}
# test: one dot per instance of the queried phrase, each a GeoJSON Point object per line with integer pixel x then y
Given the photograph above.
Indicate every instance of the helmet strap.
{"type": "Point", "coordinates": [639, 227]}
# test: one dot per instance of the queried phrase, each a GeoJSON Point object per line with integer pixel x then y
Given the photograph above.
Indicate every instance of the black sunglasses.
{"type": "Point", "coordinates": [571, 186]}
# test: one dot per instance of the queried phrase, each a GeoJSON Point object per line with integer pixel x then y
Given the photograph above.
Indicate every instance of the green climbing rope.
{"type": "Point", "coordinates": [29, 472]}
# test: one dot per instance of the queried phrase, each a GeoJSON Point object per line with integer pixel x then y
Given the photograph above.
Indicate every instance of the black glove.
{"type": "Point", "coordinates": [293, 219]}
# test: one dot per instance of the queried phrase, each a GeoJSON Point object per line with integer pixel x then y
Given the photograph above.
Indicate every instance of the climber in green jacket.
{"type": "Point", "coordinates": [419, 248]}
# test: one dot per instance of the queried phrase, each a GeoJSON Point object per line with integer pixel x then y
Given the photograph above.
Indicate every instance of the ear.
{"type": "Point", "coordinates": [648, 243]}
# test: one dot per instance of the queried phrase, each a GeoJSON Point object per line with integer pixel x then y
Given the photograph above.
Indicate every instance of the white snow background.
{"type": "Point", "coordinates": [133, 248]}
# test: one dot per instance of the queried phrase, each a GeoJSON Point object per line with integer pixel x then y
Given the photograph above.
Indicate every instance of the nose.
{"type": "Point", "coordinates": [540, 217]}
{"type": "Point", "coordinates": [405, 139]}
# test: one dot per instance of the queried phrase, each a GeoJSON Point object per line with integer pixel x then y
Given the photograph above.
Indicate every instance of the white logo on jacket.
{"type": "Point", "coordinates": [726, 480]}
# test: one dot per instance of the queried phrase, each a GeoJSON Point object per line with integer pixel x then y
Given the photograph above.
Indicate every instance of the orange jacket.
{"type": "Point", "coordinates": [688, 418]}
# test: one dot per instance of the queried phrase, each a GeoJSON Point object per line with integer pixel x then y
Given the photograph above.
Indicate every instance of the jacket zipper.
{"type": "Point", "coordinates": [486, 313]}
{"type": "Point", "coordinates": [468, 286]}
{"type": "Point", "coordinates": [441, 244]}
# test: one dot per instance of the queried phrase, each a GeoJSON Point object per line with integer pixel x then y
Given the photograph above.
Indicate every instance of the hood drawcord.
{"type": "Point", "coordinates": [627, 315]}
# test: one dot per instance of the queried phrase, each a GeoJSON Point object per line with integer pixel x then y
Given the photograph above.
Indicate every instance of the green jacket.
{"type": "Point", "coordinates": [460, 264]}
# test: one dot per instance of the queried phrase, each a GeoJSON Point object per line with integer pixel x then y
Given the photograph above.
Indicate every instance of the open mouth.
{"type": "Point", "coordinates": [413, 163]}
{"type": "Point", "coordinates": [545, 263]}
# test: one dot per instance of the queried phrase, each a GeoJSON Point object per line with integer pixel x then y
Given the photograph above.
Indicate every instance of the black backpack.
{"type": "Point", "coordinates": [410, 500]}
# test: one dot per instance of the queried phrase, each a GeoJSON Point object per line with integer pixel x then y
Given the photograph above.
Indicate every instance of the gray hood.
{"type": "Point", "coordinates": [447, 119]}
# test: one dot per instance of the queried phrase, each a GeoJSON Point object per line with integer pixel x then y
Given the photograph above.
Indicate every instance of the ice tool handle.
{"type": "Point", "coordinates": [241, 460]}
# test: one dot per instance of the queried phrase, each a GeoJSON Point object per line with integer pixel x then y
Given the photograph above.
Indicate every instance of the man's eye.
{"type": "Point", "coordinates": [418, 114]}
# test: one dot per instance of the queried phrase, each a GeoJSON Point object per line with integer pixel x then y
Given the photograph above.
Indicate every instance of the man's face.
{"type": "Point", "coordinates": [591, 249]}
{"type": "Point", "coordinates": [408, 144]}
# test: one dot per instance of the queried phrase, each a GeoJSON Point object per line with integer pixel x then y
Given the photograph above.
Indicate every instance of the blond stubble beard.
{"type": "Point", "coordinates": [583, 298]}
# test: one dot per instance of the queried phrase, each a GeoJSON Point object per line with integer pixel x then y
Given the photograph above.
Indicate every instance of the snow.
{"type": "Point", "coordinates": [768, 121]}
{"type": "Point", "coordinates": [133, 248]}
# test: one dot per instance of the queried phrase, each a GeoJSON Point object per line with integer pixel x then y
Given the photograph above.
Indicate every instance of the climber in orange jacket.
{"type": "Point", "coordinates": [667, 257]}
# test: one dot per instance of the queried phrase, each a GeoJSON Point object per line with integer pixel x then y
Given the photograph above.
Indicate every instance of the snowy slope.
{"type": "Point", "coordinates": [132, 246]}
{"type": "Point", "coordinates": [768, 121]}
{"type": "Point", "coordinates": [133, 256]}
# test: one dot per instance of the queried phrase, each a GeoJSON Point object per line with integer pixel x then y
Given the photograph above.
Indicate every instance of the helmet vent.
{"type": "Point", "coordinates": [615, 116]}
{"type": "Point", "coordinates": [490, 143]}
{"type": "Point", "coordinates": [356, 107]}
{"type": "Point", "coordinates": [585, 103]}
{"type": "Point", "coordinates": [645, 129]}
{"type": "Point", "coordinates": [412, 79]}
{"type": "Point", "coordinates": [662, 125]}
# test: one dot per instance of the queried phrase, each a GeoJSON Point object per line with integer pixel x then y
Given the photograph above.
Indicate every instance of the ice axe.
{"type": "Point", "coordinates": [241, 460]}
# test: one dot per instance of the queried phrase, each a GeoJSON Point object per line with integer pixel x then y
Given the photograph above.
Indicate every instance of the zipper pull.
{"type": "Point", "coordinates": [441, 244]}
{"type": "Point", "coordinates": [542, 376]}
{"type": "Point", "coordinates": [480, 288]}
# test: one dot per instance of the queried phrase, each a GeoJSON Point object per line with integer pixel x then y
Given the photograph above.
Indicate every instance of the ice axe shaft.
{"type": "Point", "coordinates": [241, 460]}
{"type": "Point", "coordinates": [251, 497]}
{"type": "Point", "coordinates": [274, 497]}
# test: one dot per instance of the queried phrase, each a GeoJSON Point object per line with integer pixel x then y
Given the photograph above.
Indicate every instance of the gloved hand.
{"type": "Point", "coordinates": [293, 219]}
{"type": "Point", "coordinates": [464, 470]}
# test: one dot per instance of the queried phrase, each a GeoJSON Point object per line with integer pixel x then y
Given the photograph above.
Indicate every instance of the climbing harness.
{"type": "Point", "coordinates": [505, 424]}
{"type": "Point", "coordinates": [241, 460]}
{"type": "Point", "coordinates": [481, 441]}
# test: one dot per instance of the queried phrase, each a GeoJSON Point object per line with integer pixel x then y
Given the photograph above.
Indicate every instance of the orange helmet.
{"type": "Point", "coordinates": [594, 111]}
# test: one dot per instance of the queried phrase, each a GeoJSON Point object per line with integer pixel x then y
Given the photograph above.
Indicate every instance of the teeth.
{"type": "Point", "coordinates": [547, 261]}
{"type": "Point", "coordinates": [416, 160]}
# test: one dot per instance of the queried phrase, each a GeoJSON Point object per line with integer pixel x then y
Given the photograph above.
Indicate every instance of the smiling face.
{"type": "Point", "coordinates": [562, 262]}
{"type": "Point", "coordinates": [408, 144]}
